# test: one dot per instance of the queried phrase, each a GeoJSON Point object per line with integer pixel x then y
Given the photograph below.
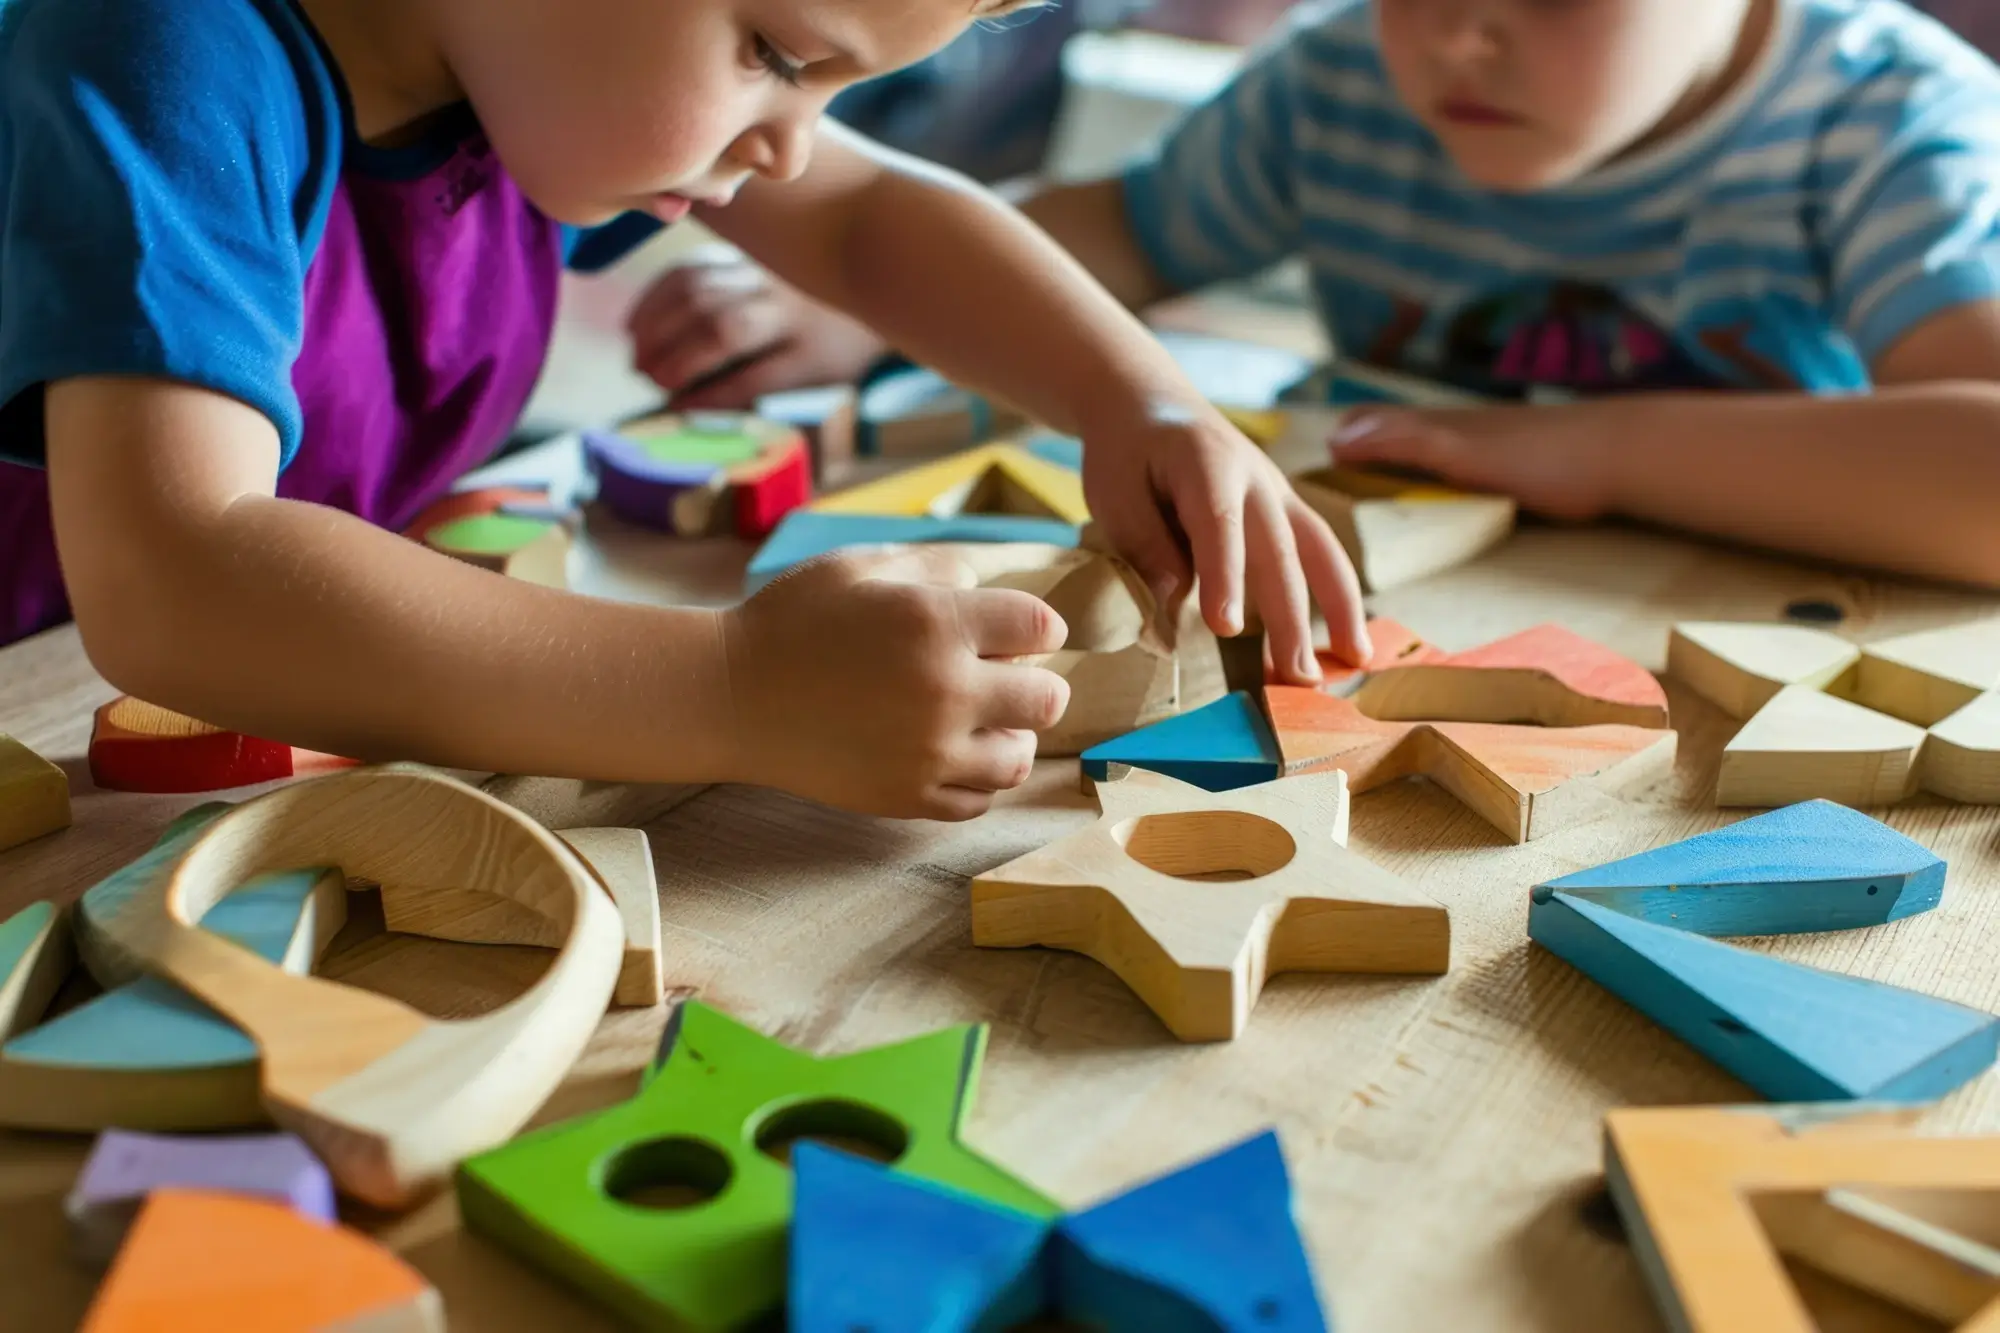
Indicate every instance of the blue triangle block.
{"type": "Point", "coordinates": [1813, 866]}
{"type": "Point", "coordinates": [874, 1249]}
{"type": "Point", "coordinates": [1793, 1033]}
{"type": "Point", "coordinates": [1218, 747]}
{"type": "Point", "coordinates": [806, 533]}
{"type": "Point", "coordinates": [1209, 1249]}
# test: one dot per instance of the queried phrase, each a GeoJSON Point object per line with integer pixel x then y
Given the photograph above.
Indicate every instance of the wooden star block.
{"type": "Point", "coordinates": [1526, 781]}
{"type": "Point", "coordinates": [1713, 1197]}
{"type": "Point", "coordinates": [34, 795]}
{"type": "Point", "coordinates": [1547, 676]}
{"type": "Point", "coordinates": [1195, 899]}
{"type": "Point", "coordinates": [604, 1201]}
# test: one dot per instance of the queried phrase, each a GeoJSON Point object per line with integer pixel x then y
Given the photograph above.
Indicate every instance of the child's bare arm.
{"type": "Point", "coordinates": [195, 588]}
{"type": "Point", "coordinates": [1905, 478]}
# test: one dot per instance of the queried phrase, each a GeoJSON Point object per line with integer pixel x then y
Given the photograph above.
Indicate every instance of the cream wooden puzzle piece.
{"type": "Point", "coordinates": [390, 1099]}
{"type": "Point", "coordinates": [622, 861]}
{"type": "Point", "coordinates": [1740, 667]}
{"type": "Point", "coordinates": [1398, 531]}
{"type": "Point", "coordinates": [1926, 677]}
{"type": "Point", "coordinates": [1195, 899]}
{"type": "Point", "coordinates": [1805, 745]}
{"type": "Point", "coordinates": [34, 795]}
{"type": "Point", "coordinates": [1546, 676]}
{"type": "Point", "coordinates": [1712, 1196]}
{"type": "Point", "coordinates": [1961, 760]}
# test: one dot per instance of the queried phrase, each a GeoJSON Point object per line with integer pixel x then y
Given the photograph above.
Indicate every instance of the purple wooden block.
{"type": "Point", "coordinates": [638, 486]}
{"type": "Point", "coordinates": [124, 1167]}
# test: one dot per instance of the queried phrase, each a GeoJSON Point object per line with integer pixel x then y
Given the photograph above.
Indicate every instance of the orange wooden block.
{"type": "Point", "coordinates": [203, 1263]}
{"type": "Point", "coordinates": [1545, 675]}
{"type": "Point", "coordinates": [1524, 780]}
{"type": "Point", "coordinates": [1394, 644]}
{"type": "Point", "coordinates": [137, 746]}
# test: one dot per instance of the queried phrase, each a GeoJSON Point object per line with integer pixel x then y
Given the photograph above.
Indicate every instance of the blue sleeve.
{"type": "Point", "coordinates": [1915, 230]}
{"type": "Point", "coordinates": [1216, 201]}
{"type": "Point", "coordinates": [155, 205]}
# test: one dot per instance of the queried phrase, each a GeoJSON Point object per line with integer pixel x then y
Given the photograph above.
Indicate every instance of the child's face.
{"type": "Point", "coordinates": [602, 106]}
{"type": "Point", "coordinates": [1526, 94]}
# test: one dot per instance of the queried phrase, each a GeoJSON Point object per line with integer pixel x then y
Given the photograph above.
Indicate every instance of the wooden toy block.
{"type": "Point", "coordinates": [534, 550]}
{"type": "Point", "coordinates": [1809, 867]}
{"type": "Point", "coordinates": [1218, 747]}
{"type": "Point", "coordinates": [917, 413]}
{"type": "Point", "coordinates": [807, 534]}
{"type": "Point", "coordinates": [1789, 1031]}
{"type": "Point", "coordinates": [471, 504]}
{"type": "Point", "coordinates": [125, 1167]}
{"type": "Point", "coordinates": [140, 747]}
{"type": "Point", "coordinates": [1925, 678]}
{"type": "Point", "coordinates": [589, 1202]}
{"type": "Point", "coordinates": [874, 1248]}
{"type": "Point", "coordinates": [35, 958]}
{"type": "Point", "coordinates": [1852, 1235]}
{"type": "Point", "coordinates": [994, 479]}
{"type": "Point", "coordinates": [1805, 745]}
{"type": "Point", "coordinates": [702, 474]}
{"type": "Point", "coordinates": [1701, 1193]}
{"type": "Point", "coordinates": [1398, 531]}
{"type": "Point", "coordinates": [829, 418]}
{"type": "Point", "coordinates": [389, 1098]}
{"type": "Point", "coordinates": [1547, 676]}
{"type": "Point", "coordinates": [1065, 451]}
{"type": "Point", "coordinates": [34, 795]}
{"type": "Point", "coordinates": [1961, 760]}
{"type": "Point", "coordinates": [1195, 898]}
{"type": "Point", "coordinates": [198, 1262]}
{"type": "Point", "coordinates": [1394, 644]}
{"type": "Point", "coordinates": [98, 943]}
{"type": "Point", "coordinates": [1525, 781]}
{"type": "Point", "coordinates": [146, 1055]}
{"type": "Point", "coordinates": [570, 803]}
{"type": "Point", "coordinates": [622, 861]}
{"type": "Point", "coordinates": [1211, 1246]}
{"type": "Point", "coordinates": [1740, 667]}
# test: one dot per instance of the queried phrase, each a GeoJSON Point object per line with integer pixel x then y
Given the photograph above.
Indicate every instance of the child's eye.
{"type": "Point", "coordinates": [776, 64]}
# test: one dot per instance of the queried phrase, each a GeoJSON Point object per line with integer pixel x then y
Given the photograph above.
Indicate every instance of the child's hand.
{"type": "Point", "coordinates": [1186, 478]}
{"type": "Point", "coordinates": [728, 315]}
{"type": "Point", "coordinates": [866, 681]}
{"type": "Point", "coordinates": [1555, 460]}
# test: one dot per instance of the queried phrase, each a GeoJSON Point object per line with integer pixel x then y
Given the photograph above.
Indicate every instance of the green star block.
{"type": "Point", "coordinates": [673, 1208]}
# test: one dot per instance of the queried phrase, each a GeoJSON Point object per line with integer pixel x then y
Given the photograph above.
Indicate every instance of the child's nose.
{"type": "Point", "coordinates": [1467, 31]}
{"type": "Point", "coordinates": [779, 149]}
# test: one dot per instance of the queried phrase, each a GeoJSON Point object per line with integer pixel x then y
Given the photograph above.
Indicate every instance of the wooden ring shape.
{"type": "Point", "coordinates": [390, 1099]}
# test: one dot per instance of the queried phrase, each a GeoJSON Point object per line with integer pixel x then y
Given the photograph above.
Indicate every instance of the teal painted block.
{"type": "Point", "coordinates": [876, 1249]}
{"type": "Point", "coordinates": [1812, 866]}
{"type": "Point", "coordinates": [1065, 451]}
{"type": "Point", "coordinates": [805, 534]}
{"type": "Point", "coordinates": [1793, 1033]}
{"type": "Point", "coordinates": [107, 961]}
{"type": "Point", "coordinates": [1218, 747]}
{"type": "Point", "coordinates": [1212, 1248]}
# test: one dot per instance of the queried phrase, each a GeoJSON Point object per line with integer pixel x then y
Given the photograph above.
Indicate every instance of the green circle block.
{"type": "Point", "coordinates": [488, 534]}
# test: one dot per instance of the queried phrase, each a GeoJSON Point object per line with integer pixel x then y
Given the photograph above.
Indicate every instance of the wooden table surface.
{"type": "Point", "coordinates": [1443, 1133]}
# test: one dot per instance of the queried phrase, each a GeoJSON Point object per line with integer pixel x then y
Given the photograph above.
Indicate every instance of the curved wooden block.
{"type": "Point", "coordinates": [141, 747]}
{"type": "Point", "coordinates": [1961, 760]}
{"type": "Point", "coordinates": [390, 1099]}
{"type": "Point", "coordinates": [1545, 676]}
{"type": "Point", "coordinates": [1805, 745]}
{"type": "Point", "coordinates": [1739, 667]}
{"type": "Point", "coordinates": [1397, 531]}
{"type": "Point", "coordinates": [35, 959]}
{"type": "Point", "coordinates": [201, 1263]}
{"type": "Point", "coordinates": [34, 795]}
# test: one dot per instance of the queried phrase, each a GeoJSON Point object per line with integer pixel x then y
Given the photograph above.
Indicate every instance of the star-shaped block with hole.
{"type": "Point", "coordinates": [672, 1208]}
{"type": "Point", "coordinates": [1196, 898]}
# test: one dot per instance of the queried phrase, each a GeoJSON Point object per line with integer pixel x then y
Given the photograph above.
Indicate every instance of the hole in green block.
{"type": "Point", "coordinates": [848, 1126]}
{"type": "Point", "coordinates": [667, 1174]}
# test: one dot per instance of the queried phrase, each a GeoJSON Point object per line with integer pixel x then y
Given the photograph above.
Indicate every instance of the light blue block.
{"type": "Point", "coordinates": [1813, 866]}
{"type": "Point", "coordinates": [101, 903]}
{"type": "Point", "coordinates": [805, 534]}
{"type": "Point", "coordinates": [874, 1249]}
{"type": "Point", "coordinates": [1065, 451]}
{"type": "Point", "coordinates": [1212, 1248]}
{"type": "Point", "coordinates": [1217, 747]}
{"type": "Point", "coordinates": [1793, 1033]}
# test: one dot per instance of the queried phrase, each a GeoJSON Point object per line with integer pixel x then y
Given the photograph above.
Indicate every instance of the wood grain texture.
{"type": "Point", "coordinates": [1805, 745]}
{"type": "Point", "coordinates": [1741, 667]}
{"type": "Point", "coordinates": [1851, 1236]}
{"type": "Point", "coordinates": [34, 795]}
{"type": "Point", "coordinates": [1546, 676]}
{"type": "Point", "coordinates": [1128, 892]}
{"type": "Point", "coordinates": [390, 1099]}
{"type": "Point", "coordinates": [1692, 1186]}
{"type": "Point", "coordinates": [197, 1262]}
{"type": "Point", "coordinates": [1398, 532]}
{"type": "Point", "coordinates": [137, 746]}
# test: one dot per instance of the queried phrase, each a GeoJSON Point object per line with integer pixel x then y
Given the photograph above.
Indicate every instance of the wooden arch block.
{"type": "Point", "coordinates": [1739, 667]}
{"type": "Point", "coordinates": [1712, 1197]}
{"type": "Point", "coordinates": [390, 1099]}
{"type": "Point", "coordinates": [197, 1263]}
{"type": "Point", "coordinates": [1793, 1033]}
{"type": "Point", "coordinates": [34, 795]}
{"type": "Point", "coordinates": [1805, 745]}
{"type": "Point", "coordinates": [1129, 892]}
{"type": "Point", "coordinates": [35, 959]}
{"type": "Point", "coordinates": [719, 1118]}
{"type": "Point", "coordinates": [1546, 676]}
{"type": "Point", "coordinates": [1809, 867]}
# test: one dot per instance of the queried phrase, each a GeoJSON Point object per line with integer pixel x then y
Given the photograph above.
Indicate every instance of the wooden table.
{"type": "Point", "coordinates": [1443, 1133]}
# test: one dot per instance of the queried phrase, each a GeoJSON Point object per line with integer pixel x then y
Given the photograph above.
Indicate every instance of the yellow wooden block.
{"type": "Point", "coordinates": [992, 479]}
{"type": "Point", "coordinates": [34, 795]}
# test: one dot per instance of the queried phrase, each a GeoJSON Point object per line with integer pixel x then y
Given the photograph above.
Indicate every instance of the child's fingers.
{"type": "Point", "coordinates": [1016, 697]}
{"type": "Point", "coordinates": [956, 804]}
{"type": "Point", "coordinates": [1399, 438]}
{"type": "Point", "coordinates": [777, 369]}
{"type": "Point", "coordinates": [704, 341]}
{"type": "Point", "coordinates": [1335, 587]}
{"type": "Point", "coordinates": [1003, 622]}
{"type": "Point", "coordinates": [1280, 587]}
{"type": "Point", "coordinates": [995, 759]}
{"type": "Point", "coordinates": [1138, 531]}
{"type": "Point", "coordinates": [694, 286]}
{"type": "Point", "coordinates": [1211, 513]}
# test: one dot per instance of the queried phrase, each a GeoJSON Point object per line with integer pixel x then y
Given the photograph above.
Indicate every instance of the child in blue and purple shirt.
{"type": "Point", "coordinates": [274, 272]}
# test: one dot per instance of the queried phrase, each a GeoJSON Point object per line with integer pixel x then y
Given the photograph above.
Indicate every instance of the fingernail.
{"type": "Point", "coordinates": [1306, 665]}
{"type": "Point", "coordinates": [1232, 619]}
{"type": "Point", "coordinates": [1355, 428]}
{"type": "Point", "coordinates": [1364, 646]}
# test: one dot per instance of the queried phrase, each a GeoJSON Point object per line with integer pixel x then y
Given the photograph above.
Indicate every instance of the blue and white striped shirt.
{"type": "Point", "coordinates": [1846, 191]}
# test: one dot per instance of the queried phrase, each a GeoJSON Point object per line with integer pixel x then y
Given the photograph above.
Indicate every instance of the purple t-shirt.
{"type": "Point", "coordinates": [180, 196]}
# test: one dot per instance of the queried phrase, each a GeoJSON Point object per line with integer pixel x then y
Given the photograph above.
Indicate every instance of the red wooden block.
{"type": "Point", "coordinates": [770, 488]}
{"type": "Point", "coordinates": [141, 747]}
